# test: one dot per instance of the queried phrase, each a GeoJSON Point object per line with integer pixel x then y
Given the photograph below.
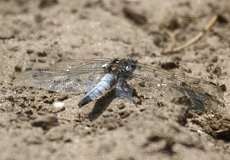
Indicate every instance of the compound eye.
{"type": "Point", "coordinates": [129, 68]}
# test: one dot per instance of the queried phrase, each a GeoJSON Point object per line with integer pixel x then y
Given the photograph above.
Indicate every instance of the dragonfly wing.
{"type": "Point", "coordinates": [75, 76]}
{"type": "Point", "coordinates": [79, 65]}
{"type": "Point", "coordinates": [155, 80]}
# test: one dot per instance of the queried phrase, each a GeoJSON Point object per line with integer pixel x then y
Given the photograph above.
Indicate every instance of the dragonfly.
{"type": "Point", "coordinates": [96, 77]}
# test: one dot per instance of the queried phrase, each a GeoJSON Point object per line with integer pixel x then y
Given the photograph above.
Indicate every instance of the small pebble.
{"type": "Point", "coordinates": [45, 122]}
{"type": "Point", "coordinates": [59, 105]}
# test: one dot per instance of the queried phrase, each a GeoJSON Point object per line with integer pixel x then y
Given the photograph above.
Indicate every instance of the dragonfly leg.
{"type": "Point", "coordinates": [123, 90]}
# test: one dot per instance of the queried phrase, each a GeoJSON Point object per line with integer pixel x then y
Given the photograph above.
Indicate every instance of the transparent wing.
{"type": "Point", "coordinates": [80, 65]}
{"type": "Point", "coordinates": [154, 80]}
{"type": "Point", "coordinates": [71, 76]}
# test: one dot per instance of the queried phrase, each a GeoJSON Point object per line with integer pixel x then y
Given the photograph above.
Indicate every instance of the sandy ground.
{"type": "Point", "coordinates": [39, 33]}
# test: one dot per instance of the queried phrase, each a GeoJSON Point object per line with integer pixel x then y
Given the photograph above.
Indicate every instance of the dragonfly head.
{"type": "Point", "coordinates": [127, 67]}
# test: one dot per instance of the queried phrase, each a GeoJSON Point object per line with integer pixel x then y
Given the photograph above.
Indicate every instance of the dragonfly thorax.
{"type": "Point", "coordinates": [122, 68]}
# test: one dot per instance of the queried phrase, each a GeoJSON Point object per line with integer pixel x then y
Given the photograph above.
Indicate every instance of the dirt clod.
{"type": "Point", "coordinates": [45, 122]}
{"type": "Point", "coordinates": [135, 15]}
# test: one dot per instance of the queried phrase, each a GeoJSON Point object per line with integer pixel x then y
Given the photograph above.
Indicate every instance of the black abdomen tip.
{"type": "Point", "coordinates": [84, 101]}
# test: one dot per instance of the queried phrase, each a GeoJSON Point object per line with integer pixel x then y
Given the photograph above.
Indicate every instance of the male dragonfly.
{"type": "Point", "coordinates": [96, 77]}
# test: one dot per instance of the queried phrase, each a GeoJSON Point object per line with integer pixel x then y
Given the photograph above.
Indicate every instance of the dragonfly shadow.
{"type": "Point", "coordinates": [101, 105]}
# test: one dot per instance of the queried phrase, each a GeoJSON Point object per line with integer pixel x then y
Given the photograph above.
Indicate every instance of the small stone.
{"type": "Point", "coordinates": [223, 88]}
{"type": "Point", "coordinates": [47, 3]}
{"type": "Point", "coordinates": [135, 15]}
{"type": "Point", "coordinates": [124, 114]}
{"type": "Point", "coordinates": [58, 106]}
{"type": "Point", "coordinates": [169, 65]}
{"type": "Point", "coordinates": [29, 51]}
{"type": "Point", "coordinates": [45, 122]}
{"type": "Point", "coordinates": [121, 106]}
{"type": "Point", "coordinates": [42, 54]}
{"type": "Point", "coordinates": [18, 69]}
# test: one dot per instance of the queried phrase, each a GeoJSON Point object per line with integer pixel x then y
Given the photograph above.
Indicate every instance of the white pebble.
{"type": "Point", "coordinates": [58, 105]}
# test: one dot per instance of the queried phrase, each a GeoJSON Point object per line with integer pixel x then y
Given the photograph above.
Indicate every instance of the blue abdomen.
{"type": "Point", "coordinates": [106, 83]}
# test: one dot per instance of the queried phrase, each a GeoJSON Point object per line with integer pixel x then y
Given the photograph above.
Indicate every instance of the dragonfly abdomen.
{"type": "Point", "coordinates": [104, 85]}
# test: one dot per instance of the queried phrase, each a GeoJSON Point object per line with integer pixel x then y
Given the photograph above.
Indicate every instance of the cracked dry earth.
{"type": "Point", "coordinates": [39, 33]}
